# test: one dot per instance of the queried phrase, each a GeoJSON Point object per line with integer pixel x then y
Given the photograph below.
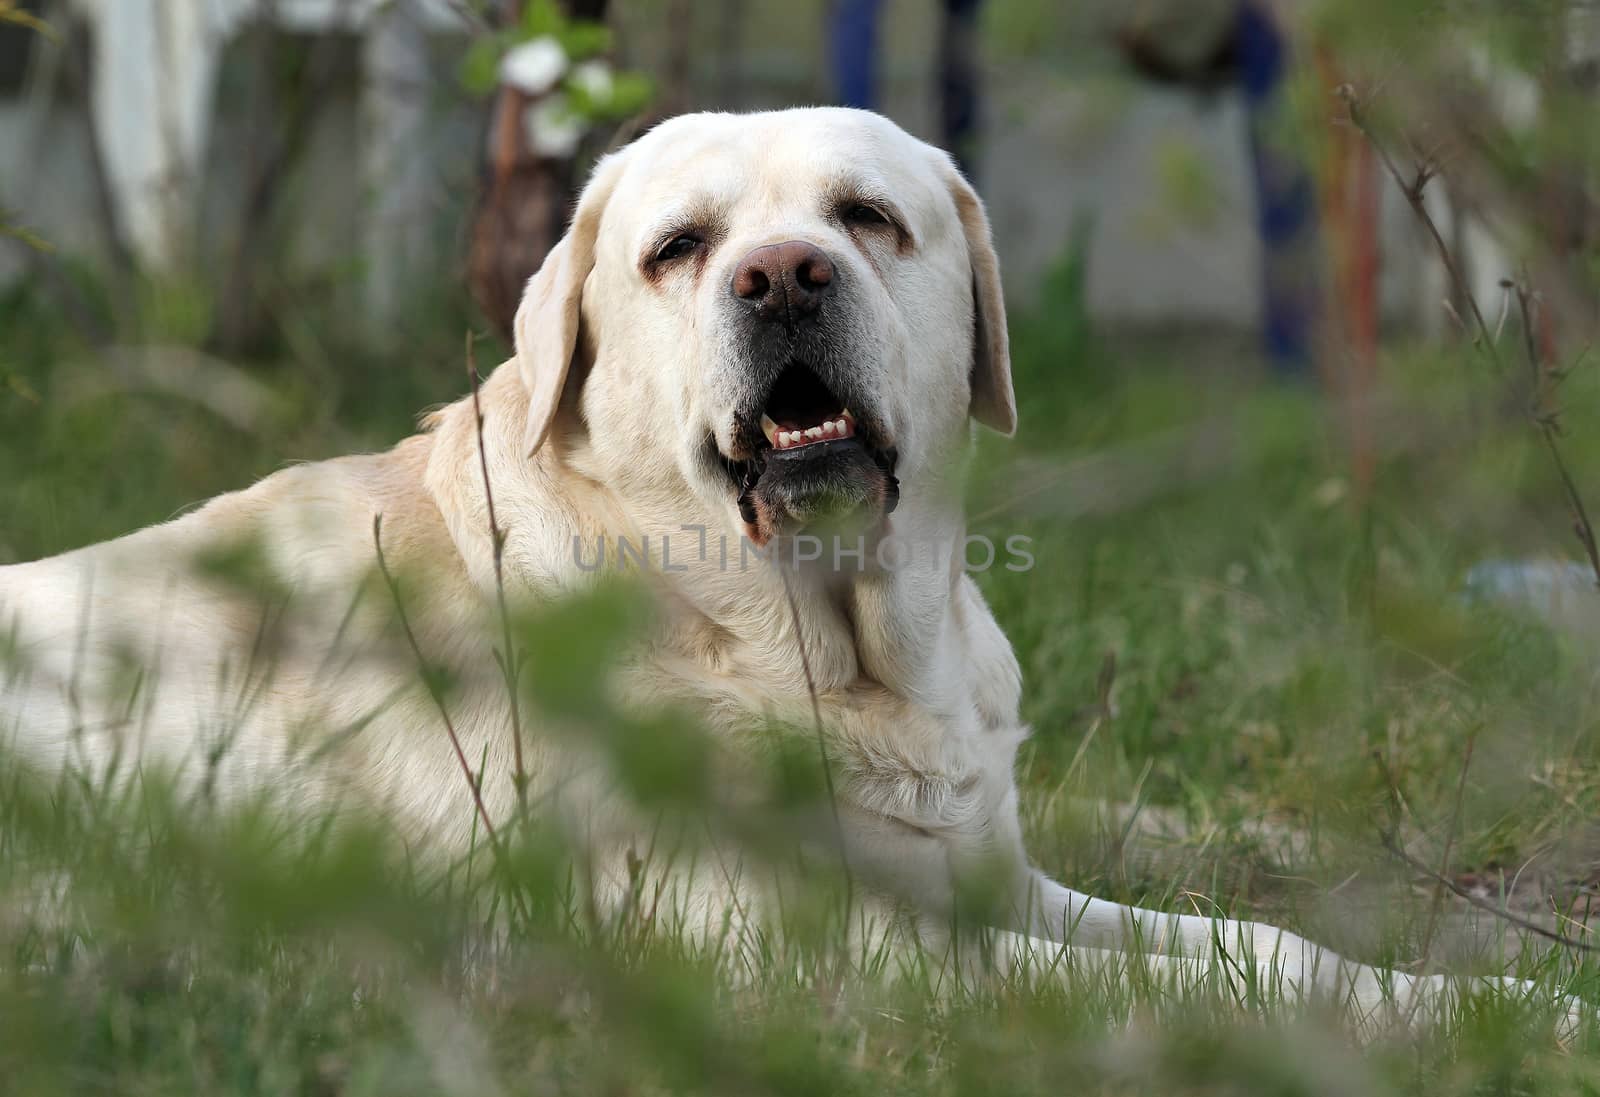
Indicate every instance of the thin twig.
{"type": "Point", "coordinates": [1413, 194]}
{"type": "Point", "coordinates": [1390, 839]}
{"type": "Point", "coordinates": [1546, 420]}
{"type": "Point", "coordinates": [1394, 847]}
{"type": "Point", "coordinates": [509, 659]}
{"type": "Point", "coordinates": [1529, 346]}
{"type": "Point", "coordinates": [431, 682]}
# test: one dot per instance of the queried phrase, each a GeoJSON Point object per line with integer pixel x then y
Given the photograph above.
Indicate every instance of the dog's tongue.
{"type": "Point", "coordinates": [817, 484]}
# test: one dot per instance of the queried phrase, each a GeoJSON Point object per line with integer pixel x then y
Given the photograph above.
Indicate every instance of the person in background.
{"type": "Point", "coordinates": [1214, 45]}
{"type": "Point", "coordinates": [853, 34]}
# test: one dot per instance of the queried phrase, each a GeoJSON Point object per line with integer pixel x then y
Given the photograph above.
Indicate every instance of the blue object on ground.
{"type": "Point", "coordinates": [1559, 592]}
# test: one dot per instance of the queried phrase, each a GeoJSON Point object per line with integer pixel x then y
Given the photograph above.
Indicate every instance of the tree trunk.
{"type": "Point", "coordinates": [524, 200]}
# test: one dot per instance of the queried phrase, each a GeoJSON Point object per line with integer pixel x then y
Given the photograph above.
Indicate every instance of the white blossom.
{"type": "Point", "coordinates": [534, 66]}
{"type": "Point", "coordinates": [553, 128]}
{"type": "Point", "coordinates": [594, 79]}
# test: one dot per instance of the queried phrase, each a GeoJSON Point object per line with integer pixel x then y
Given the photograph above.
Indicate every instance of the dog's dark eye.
{"type": "Point", "coordinates": [863, 214]}
{"type": "Point", "coordinates": [679, 246]}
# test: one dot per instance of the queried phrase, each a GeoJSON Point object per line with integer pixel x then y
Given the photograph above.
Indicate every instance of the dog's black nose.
{"type": "Point", "coordinates": [785, 281]}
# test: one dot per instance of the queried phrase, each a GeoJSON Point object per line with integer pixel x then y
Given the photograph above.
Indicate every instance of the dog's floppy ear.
{"type": "Point", "coordinates": [994, 404]}
{"type": "Point", "coordinates": [546, 327]}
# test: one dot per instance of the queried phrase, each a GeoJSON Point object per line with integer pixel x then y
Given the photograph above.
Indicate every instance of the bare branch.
{"type": "Point", "coordinates": [1544, 419]}
{"type": "Point", "coordinates": [431, 683]}
{"type": "Point", "coordinates": [1549, 423]}
{"type": "Point", "coordinates": [1394, 847]}
{"type": "Point", "coordinates": [1413, 191]}
{"type": "Point", "coordinates": [1390, 838]}
{"type": "Point", "coordinates": [510, 658]}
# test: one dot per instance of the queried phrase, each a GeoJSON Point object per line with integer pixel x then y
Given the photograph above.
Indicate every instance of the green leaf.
{"type": "Point", "coordinates": [585, 40]}
{"type": "Point", "coordinates": [572, 646]}
{"type": "Point", "coordinates": [630, 92]}
{"type": "Point", "coordinates": [9, 13]}
{"type": "Point", "coordinates": [480, 68]}
{"type": "Point", "coordinates": [542, 17]}
{"type": "Point", "coordinates": [662, 761]}
{"type": "Point", "coordinates": [26, 235]}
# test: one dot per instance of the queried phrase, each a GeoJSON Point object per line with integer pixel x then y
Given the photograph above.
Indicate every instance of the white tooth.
{"type": "Point", "coordinates": [814, 433]}
{"type": "Point", "coordinates": [843, 428]}
{"type": "Point", "coordinates": [783, 439]}
{"type": "Point", "coordinates": [770, 429]}
{"type": "Point", "coordinates": [829, 429]}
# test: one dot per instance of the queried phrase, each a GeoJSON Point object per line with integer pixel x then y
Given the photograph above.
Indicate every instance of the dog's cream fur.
{"type": "Point", "coordinates": [597, 431]}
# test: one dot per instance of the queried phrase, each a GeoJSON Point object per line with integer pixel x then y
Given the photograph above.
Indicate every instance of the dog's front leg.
{"type": "Point", "coordinates": [1039, 920]}
{"type": "Point", "coordinates": [1265, 961]}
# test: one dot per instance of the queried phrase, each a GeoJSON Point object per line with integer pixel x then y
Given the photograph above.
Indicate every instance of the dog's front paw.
{"type": "Point", "coordinates": [1380, 999]}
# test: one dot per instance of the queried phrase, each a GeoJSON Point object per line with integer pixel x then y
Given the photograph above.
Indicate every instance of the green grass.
{"type": "Point", "coordinates": [1275, 633]}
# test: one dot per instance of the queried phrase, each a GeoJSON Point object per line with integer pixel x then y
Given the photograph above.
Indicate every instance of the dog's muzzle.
{"type": "Point", "coordinates": [808, 446]}
{"type": "Point", "coordinates": [804, 457]}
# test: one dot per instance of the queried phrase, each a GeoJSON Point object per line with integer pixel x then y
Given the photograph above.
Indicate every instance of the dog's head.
{"type": "Point", "coordinates": [791, 312]}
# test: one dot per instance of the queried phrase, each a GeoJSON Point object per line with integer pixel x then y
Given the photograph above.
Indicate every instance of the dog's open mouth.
{"type": "Point", "coordinates": [801, 411]}
{"type": "Point", "coordinates": [811, 458]}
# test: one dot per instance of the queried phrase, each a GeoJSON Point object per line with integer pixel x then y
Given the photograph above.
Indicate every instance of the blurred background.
{"type": "Point", "coordinates": [342, 161]}
{"type": "Point", "coordinates": [304, 203]}
{"type": "Point", "coordinates": [1302, 298]}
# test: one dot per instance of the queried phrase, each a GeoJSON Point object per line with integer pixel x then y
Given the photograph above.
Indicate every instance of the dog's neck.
{"type": "Point", "coordinates": [567, 525]}
{"type": "Point", "coordinates": [863, 613]}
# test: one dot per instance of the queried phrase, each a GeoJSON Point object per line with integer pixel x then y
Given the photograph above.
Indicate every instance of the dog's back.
{"type": "Point", "coordinates": [231, 641]}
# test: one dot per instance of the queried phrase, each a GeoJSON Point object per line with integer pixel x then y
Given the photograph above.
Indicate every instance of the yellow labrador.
{"type": "Point", "coordinates": [759, 328]}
